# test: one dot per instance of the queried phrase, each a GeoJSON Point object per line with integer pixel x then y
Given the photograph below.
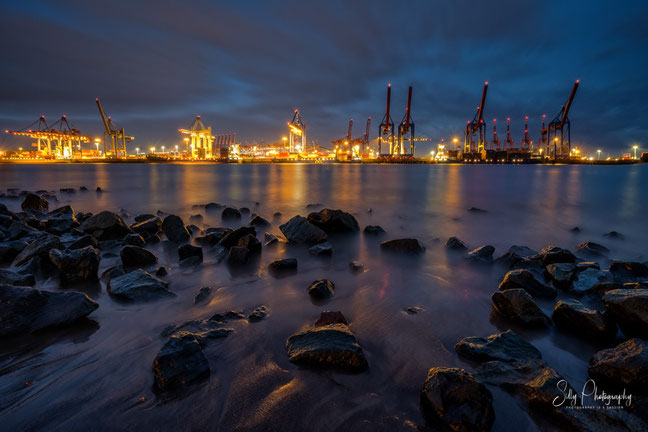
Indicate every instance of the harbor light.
{"type": "Point", "coordinates": [599, 154]}
{"type": "Point", "coordinates": [162, 149]}
{"type": "Point", "coordinates": [137, 150]}
{"type": "Point", "coordinates": [635, 147]}
{"type": "Point", "coordinates": [152, 149]}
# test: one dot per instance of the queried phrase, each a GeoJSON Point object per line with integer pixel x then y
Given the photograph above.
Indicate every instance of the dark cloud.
{"type": "Point", "coordinates": [244, 66]}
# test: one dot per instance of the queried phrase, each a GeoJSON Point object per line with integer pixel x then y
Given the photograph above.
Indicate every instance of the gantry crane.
{"type": "Point", "coordinates": [406, 129]}
{"type": "Point", "coordinates": [526, 144]}
{"type": "Point", "coordinates": [542, 142]}
{"type": "Point", "coordinates": [297, 128]}
{"type": "Point", "coordinates": [365, 141]}
{"type": "Point", "coordinates": [509, 143]}
{"type": "Point", "coordinates": [495, 143]}
{"type": "Point", "coordinates": [117, 136]}
{"type": "Point", "coordinates": [557, 145]}
{"type": "Point", "coordinates": [58, 139]}
{"type": "Point", "coordinates": [477, 125]}
{"type": "Point", "coordinates": [386, 127]}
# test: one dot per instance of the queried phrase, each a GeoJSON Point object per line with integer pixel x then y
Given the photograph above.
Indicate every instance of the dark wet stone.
{"type": "Point", "coordinates": [586, 279]}
{"type": "Point", "coordinates": [135, 256]}
{"type": "Point", "coordinates": [453, 400]}
{"type": "Point", "coordinates": [330, 317]}
{"type": "Point", "coordinates": [230, 213]}
{"type": "Point", "coordinates": [405, 245]}
{"type": "Point", "coordinates": [9, 250]}
{"type": "Point", "coordinates": [232, 238]}
{"type": "Point", "coordinates": [83, 189]}
{"type": "Point", "coordinates": [584, 265]}
{"type": "Point", "coordinates": [321, 289]}
{"type": "Point", "coordinates": [106, 226]}
{"type": "Point", "coordinates": [629, 308]}
{"type": "Point", "coordinates": [258, 314]}
{"type": "Point", "coordinates": [507, 347]}
{"type": "Point", "coordinates": [321, 249]}
{"type": "Point", "coordinates": [191, 262]}
{"type": "Point", "coordinates": [162, 271]}
{"type": "Point", "coordinates": [259, 221]}
{"type": "Point", "coordinates": [144, 217]}
{"type": "Point", "coordinates": [113, 272]}
{"type": "Point", "coordinates": [374, 230]}
{"type": "Point", "coordinates": [244, 210]}
{"type": "Point", "coordinates": [250, 242]}
{"type": "Point", "coordinates": [149, 226]}
{"type": "Point", "coordinates": [284, 264]}
{"type": "Point", "coordinates": [213, 206]}
{"type": "Point", "coordinates": [8, 277]}
{"type": "Point", "coordinates": [477, 210]}
{"type": "Point", "coordinates": [624, 366]}
{"type": "Point", "coordinates": [34, 202]}
{"type": "Point", "coordinates": [521, 278]}
{"type": "Point", "coordinates": [575, 230]}
{"type": "Point", "coordinates": [238, 255]}
{"type": "Point", "coordinates": [334, 221]}
{"type": "Point", "coordinates": [25, 309]}
{"type": "Point", "coordinates": [554, 254]}
{"type": "Point", "coordinates": [38, 248]}
{"type": "Point", "coordinates": [615, 235]}
{"type": "Point", "coordinates": [185, 251]}
{"type": "Point", "coordinates": [356, 266]}
{"type": "Point", "coordinates": [627, 271]}
{"type": "Point", "coordinates": [139, 285]}
{"type": "Point", "coordinates": [313, 205]}
{"type": "Point", "coordinates": [561, 274]}
{"type": "Point", "coordinates": [175, 230]}
{"type": "Point", "coordinates": [299, 231]}
{"type": "Point", "coordinates": [592, 249]}
{"type": "Point", "coordinates": [133, 240]}
{"type": "Point", "coordinates": [196, 217]}
{"type": "Point", "coordinates": [483, 254]}
{"type": "Point", "coordinates": [276, 214]}
{"type": "Point", "coordinates": [454, 243]}
{"type": "Point", "coordinates": [86, 240]}
{"type": "Point", "coordinates": [109, 245]}
{"type": "Point", "coordinates": [330, 346]}
{"type": "Point", "coordinates": [213, 236]}
{"type": "Point", "coordinates": [67, 190]}
{"type": "Point", "coordinates": [76, 265]}
{"type": "Point", "coordinates": [574, 317]}
{"type": "Point", "coordinates": [413, 310]}
{"type": "Point", "coordinates": [518, 306]}
{"type": "Point", "coordinates": [181, 363]}
{"type": "Point", "coordinates": [203, 294]}
{"type": "Point", "coordinates": [194, 230]}
{"type": "Point", "coordinates": [98, 189]}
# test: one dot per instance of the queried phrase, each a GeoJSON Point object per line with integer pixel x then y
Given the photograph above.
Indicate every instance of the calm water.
{"type": "Point", "coordinates": [98, 375]}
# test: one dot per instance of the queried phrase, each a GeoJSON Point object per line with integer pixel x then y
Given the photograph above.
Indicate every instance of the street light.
{"type": "Point", "coordinates": [162, 149]}
{"type": "Point", "coordinates": [137, 150]}
{"type": "Point", "coordinates": [152, 149]}
{"type": "Point", "coordinates": [599, 154]}
{"type": "Point", "coordinates": [635, 147]}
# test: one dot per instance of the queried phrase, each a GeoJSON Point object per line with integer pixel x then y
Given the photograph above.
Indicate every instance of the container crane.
{"type": "Point", "coordinates": [495, 143]}
{"type": "Point", "coordinates": [477, 125]}
{"type": "Point", "coordinates": [509, 143]}
{"type": "Point", "coordinates": [117, 136]}
{"type": "Point", "coordinates": [557, 145]}
{"type": "Point", "coordinates": [365, 141]}
{"type": "Point", "coordinates": [386, 127]}
{"type": "Point", "coordinates": [542, 142]}
{"type": "Point", "coordinates": [406, 129]}
{"type": "Point", "coordinates": [526, 144]}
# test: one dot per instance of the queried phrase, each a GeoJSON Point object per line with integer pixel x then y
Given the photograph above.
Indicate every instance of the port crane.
{"type": "Point", "coordinates": [477, 125]}
{"type": "Point", "coordinates": [406, 129]}
{"type": "Point", "coordinates": [57, 140]}
{"type": "Point", "coordinates": [365, 140]}
{"type": "Point", "coordinates": [495, 143]}
{"type": "Point", "coordinates": [509, 143]}
{"type": "Point", "coordinates": [386, 127]}
{"type": "Point", "coordinates": [559, 145]}
{"type": "Point", "coordinates": [526, 143]}
{"type": "Point", "coordinates": [297, 128]}
{"type": "Point", "coordinates": [117, 136]}
{"type": "Point", "coordinates": [199, 138]}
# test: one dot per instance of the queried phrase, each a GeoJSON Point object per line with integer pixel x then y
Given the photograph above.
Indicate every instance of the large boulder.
{"type": "Point", "coordinates": [139, 285]}
{"type": "Point", "coordinates": [8, 277]}
{"type": "Point", "coordinates": [284, 264]}
{"type": "Point", "coordinates": [9, 250]}
{"type": "Point", "coordinates": [629, 308]}
{"type": "Point", "coordinates": [238, 255]}
{"type": "Point", "coordinates": [34, 202]}
{"type": "Point", "coordinates": [330, 346]}
{"type": "Point", "coordinates": [83, 241]}
{"type": "Point", "coordinates": [626, 271]}
{"type": "Point", "coordinates": [299, 231]}
{"type": "Point", "coordinates": [453, 400]}
{"type": "Point", "coordinates": [575, 317]}
{"type": "Point", "coordinates": [136, 256]}
{"type": "Point", "coordinates": [106, 226]}
{"type": "Point", "coordinates": [404, 245]}
{"type": "Point", "coordinates": [554, 254]}
{"type": "Point", "coordinates": [180, 363]}
{"type": "Point", "coordinates": [456, 244]}
{"type": "Point", "coordinates": [586, 279]}
{"type": "Point", "coordinates": [592, 249]}
{"type": "Point", "coordinates": [259, 221]}
{"type": "Point", "coordinates": [175, 229]}
{"type": "Point", "coordinates": [522, 278]}
{"type": "Point", "coordinates": [250, 242]}
{"type": "Point", "coordinates": [321, 249]}
{"type": "Point", "coordinates": [76, 264]}
{"type": "Point", "coordinates": [187, 251]}
{"type": "Point", "coordinates": [38, 248]}
{"type": "Point", "coordinates": [151, 225]}
{"type": "Point", "coordinates": [624, 366]}
{"type": "Point", "coordinates": [334, 221]}
{"type": "Point", "coordinates": [321, 289]}
{"type": "Point", "coordinates": [24, 310]}
{"type": "Point", "coordinates": [232, 238]}
{"type": "Point", "coordinates": [230, 213]}
{"type": "Point", "coordinates": [133, 240]}
{"type": "Point", "coordinates": [561, 274]}
{"type": "Point", "coordinates": [507, 346]}
{"type": "Point", "coordinates": [374, 230]}
{"type": "Point", "coordinates": [519, 257]}
{"type": "Point", "coordinates": [518, 306]}
{"type": "Point", "coordinates": [483, 254]}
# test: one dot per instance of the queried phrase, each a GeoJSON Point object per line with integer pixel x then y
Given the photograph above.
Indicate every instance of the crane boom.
{"type": "Point", "coordinates": [388, 104]}
{"type": "Point", "coordinates": [569, 102]}
{"type": "Point", "coordinates": [103, 116]}
{"type": "Point", "coordinates": [350, 129]}
{"type": "Point", "coordinates": [366, 135]}
{"type": "Point", "coordinates": [409, 106]}
{"type": "Point", "coordinates": [480, 114]}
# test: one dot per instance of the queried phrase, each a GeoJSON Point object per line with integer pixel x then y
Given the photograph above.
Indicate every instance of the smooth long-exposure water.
{"type": "Point", "coordinates": [96, 375]}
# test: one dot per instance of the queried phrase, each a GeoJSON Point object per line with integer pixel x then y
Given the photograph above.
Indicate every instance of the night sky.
{"type": "Point", "coordinates": [244, 66]}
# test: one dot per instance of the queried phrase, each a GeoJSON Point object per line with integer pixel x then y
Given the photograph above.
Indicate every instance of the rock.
{"type": "Point", "coordinates": [185, 251]}
{"type": "Point", "coordinates": [483, 254]}
{"type": "Point", "coordinates": [250, 242]}
{"type": "Point", "coordinates": [573, 316]}
{"type": "Point", "coordinates": [193, 261]}
{"type": "Point", "coordinates": [9, 250]}
{"type": "Point", "coordinates": [174, 229]}
{"type": "Point", "coordinates": [270, 239]}
{"type": "Point", "coordinates": [10, 278]}
{"type": "Point", "coordinates": [180, 363]}
{"type": "Point", "coordinates": [629, 308]}
{"type": "Point", "coordinates": [524, 279]}
{"type": "Point", "coordinates": [258, 314]}
{"type": "Point", "coordinates": [329, 346]}
{"type": "Point", "coordinates": [86, 240]}
{"type": "Point", "coordinates": [404, 245]}
{"type": "Point", "coordinates": [330, 317]}
{"type": "Point", "coordinates": [614, 235]}
{"type": "Point", "coordinates": [230, 213]}
{"type": "Point", "coordinates": [321, 289]}
{"type": "Point", "coordinates": [106, 226]}
{"type": "Point", "coordinates": [98, 189]}
{"type": "Point", "coordinates": [356, 266]}
{"type": "Point", "coordinates": [626, 271]}
{"type": "Point", "coordinates": [413, 310]}
{"type": "Point", "coordinates": [454, 243]}
{"type": "Point", "coordinates": [476, 210]}
{"type": "Point", "coordinates": [453, 400]}
{"type": "Point", "coordinates": [584, 265]}
{"type": "Point", "coordinates": [229, 315]}
{"type": "Point", "coordinates": [162, 271]}
{"type": "Point", "coordinates": [133, 240]}
{"type": "Point", "coordinates": [139, 285]}
{"type": "Point", "coordinates": [144, 217]}
{"type": "Point", "coordinates": [276, 214]}
{"type": "Point", "coordinates": [38, 248]}
{"type": "Point", "coordinates": [299, 231]}
{"type": "Point", "coordinates": [213, 206]}
{"type": "Point", "coordinates": [624, 366]}
{"type": "Point", "coordinates": [575, 230]}
{"type": "Point", "coordinates": [284, 264]}
{"type": "Point", "coordinates": [232, 238]}
{"type": "Point", "coordinates": [113, 272]}
{"type": "Point", "coordinates": [67, 190]}
{"type": "Point", "coordinates": [135, 256]}
{"type": "Point", "coordinates": [322, 249]}
{"type": "Point", "coordinates": [554, 254]}
{"type": "Point", "coordinates": [34, 202]}
{"type": "Point", "coordinates": [203, 294]}
{"type": "Point", "coordinates": [518, 306]}
{"type": "Point", "coordinates": [24, 310]}
{"type": "Point", "coordinates": [593, 249]}
{"type": "Point", "coordinates": [374, 230]}
{"type": "Point", "coordinates": [20, 230]}
{"type": "Point", "coordinates": [213, 236]}
{"type": "Point", "coordinates": [109, 245]}
{"type": "Point", "coordinates": [561, 274]}
{"type": "Point", "coordinates": [259, 221]}
{"type": "Point", "coordinates": [196, 217]}
{"type": "Point", "coordinates": [586, 280]}
{"type": "Point", "coordinates": [149, 226]}
{"type": "Point", "coordinates": [244, 210]}
{"type": "Point", "coordinates": [334, 221]}
{"type": "Point", "coordinates": [76, 265]}
{"type": "Point", "coordinates": [506, 347]}
{"type": "Point", "coordinates": [238, 255]}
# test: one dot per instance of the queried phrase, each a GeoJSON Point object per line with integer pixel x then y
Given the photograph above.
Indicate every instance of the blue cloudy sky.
{"type": "Point", "coordinates": [244, 66]}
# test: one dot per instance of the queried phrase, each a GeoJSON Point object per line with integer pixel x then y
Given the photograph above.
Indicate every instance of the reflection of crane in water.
{"type": "Point", "coordinates": [117, 136]}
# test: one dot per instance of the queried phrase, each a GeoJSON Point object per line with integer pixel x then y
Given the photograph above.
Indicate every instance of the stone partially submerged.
{"type": "Point", "coordinates": [573, 316]}
{"type": "Point", "coordinates": [175, 230]}
{"type": "Point", "coordinates": [77, 264]}
{"type": "Point", "coordinates": [181, 363]}
{"type": "Point", "coordinates": [106, 226]}
{"type": "Point", "coordinates": [334, 221]}
{"type": "Point", "coordinates": [521, 278]}
{"type": "Point", "coordinates": [624, 366]}
{"type": "Point", "coordinates": [299, 231]}
{"type": "Point", "coordinates": [330, 346]}
{"type": "Point", "coordinates": [139, 285]}
{"type": "Point", "coordinates": [518, 306]}
{"type": "Point", "coordinates": [629, 308]}
{"type": "Point", "coordinates": [405, 246]}
{"type": "Point", "coordinates": [507, 347]}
